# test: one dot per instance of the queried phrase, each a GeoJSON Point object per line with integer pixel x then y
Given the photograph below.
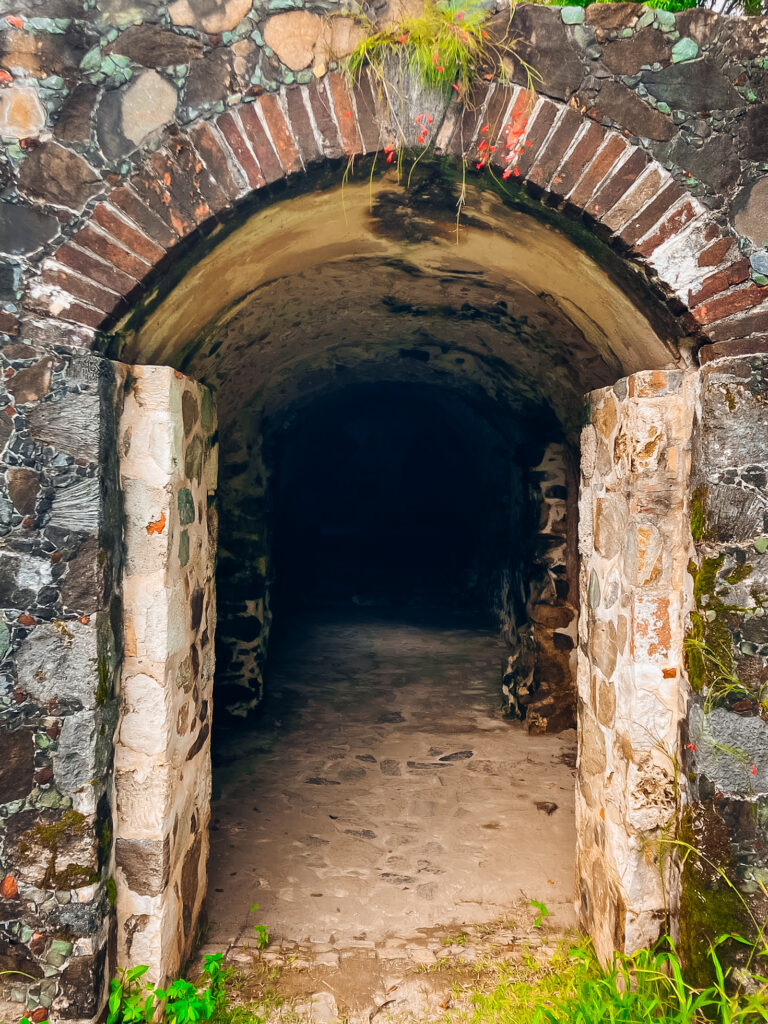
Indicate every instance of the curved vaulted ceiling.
{"type": "Point", "coordinates": [372, 280]}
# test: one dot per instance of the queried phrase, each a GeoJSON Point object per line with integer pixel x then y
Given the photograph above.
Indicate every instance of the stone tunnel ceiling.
{"type": "Point", "coordinates": [358, 277]}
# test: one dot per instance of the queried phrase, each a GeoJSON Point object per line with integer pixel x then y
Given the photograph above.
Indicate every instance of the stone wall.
{"type": "Point", "coordinates": [60, 641]}
{"type": "Point", "coordinates": [726, 750]}
{"type": "Point", "coordinates": [635, 597]}
{"type": "Point", "coordinates": [652, 124]}
{"type": "Point", "coordinates": [168, 469]}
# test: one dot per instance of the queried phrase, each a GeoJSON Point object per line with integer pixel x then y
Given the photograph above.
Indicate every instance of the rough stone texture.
{"type": "Point", "coordinates": [726, 752]}
{"type": "Point", "coordinates": [58, 660]}
{"type": "Point", "coordinates": [634, 546]}
{"type": "Point", "coordinates": [700, 118]}
{"type": "Point", "coordinates": [664, 163]}
{"type": "Point", "coordinates": [539, 682]}
{"type": "Point", "coordinates": [162, 755]}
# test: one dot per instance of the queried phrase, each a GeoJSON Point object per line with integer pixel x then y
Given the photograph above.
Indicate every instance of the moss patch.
{"type": "Point", "coordinates": [698, 522]}
{"type": "Point", "coordinates": [709, 907]}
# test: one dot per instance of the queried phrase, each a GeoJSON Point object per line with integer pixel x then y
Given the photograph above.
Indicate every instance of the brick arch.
{"type": "Point", "coordinates": [200, 172]}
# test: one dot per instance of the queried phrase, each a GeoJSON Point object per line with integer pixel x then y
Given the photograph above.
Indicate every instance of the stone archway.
{"type": "Point", "coordinates": [130, 234]}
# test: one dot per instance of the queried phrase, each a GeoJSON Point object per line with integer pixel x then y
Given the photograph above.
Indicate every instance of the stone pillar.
{"type": "Point", "coordinates": [727, 749]}
{"type": "Point", "coordinates": [635, 593]}
{"type": "Point", "coordinates": [59, 657]}
{"type": "Point", "coordinates": [168, 465]}
{"type": "Point", "coordinates": [553, 600]}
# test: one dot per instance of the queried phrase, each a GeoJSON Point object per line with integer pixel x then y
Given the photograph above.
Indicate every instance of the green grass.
{"type": "Point", "coordinates": [647, 986]}
{"type": "Point", "coordinates": [446, 46]}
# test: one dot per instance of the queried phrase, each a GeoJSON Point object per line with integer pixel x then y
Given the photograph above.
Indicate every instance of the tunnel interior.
{"type": "Point", "coordinates": [396, 495]}
{"type": "Point", "coordinates": [399, 424]}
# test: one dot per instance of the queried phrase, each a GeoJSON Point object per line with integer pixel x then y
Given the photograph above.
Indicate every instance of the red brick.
{"type": "Point", "coordinates": [103, 247]}
{"type": "Point", "coordinates": [492, 118]}
{"type": "Point", "coordinates": [546, 112]}
{"type": "Point", "coordinates": [652, 214]}
{"type": "Point", "coordinates": [720, 281]}
{"type": "Point", "coordinates": [732, 302]}
{"type": "Point", "coordinates": [230, 129]}
{"type": "Point", "coordinates": [87, 265]}
{"type": "Point", "coordinates": [186, 208]}
{"type": "Point", "coordinates": [156, 228]}
{"type": "Point", "coordinates": [280, 132]}
{"type": "Point", "coordinates": [346, 117]}
{"type": "Point", "coordinates": [602, 165]}
{"type": "Point", "coordinates": [260, 145]}
{"type": "Point", "coordinates": [670, 226]}
{"type": "Point", "coordinates": [370, 113]}
{"type": "Point", "coordinates": [646, 187]}
{"type": "Point", "coordinates": [551, 155]}
{"type": "Point", "coordinates": [579, 157]}
{"type": "Point", "coordinates": [80, 288]}
{"type": "Point", "coordinates": [149, 188]}
{"type": "Point", "coordinates": [84, 315]}
{"type": "Point", "coordinates": [326, 126]}
{"type": "Point", "coordinates": [715, 253]}
{"type": "Point", "coordinates": [738, 347]}
{"type": "Point", "coordinates": [469, 123]}
{"type": "Point", "coordinates": [514, 129]}
{"type": "Point", "coordinates": [496, 111]}
{"type": "Point", "coordinates": [207, 144]}
{"type": "Point", "coordinates": [301, 126]}
{"type": "Point", "coordinates": [198, 182]}
{"type": "Point", "coordinates": [743, 325]}
{"type": "Point", "coordinates": [618, 184]}
{"type": "Point", "coordinates": [127, 235]}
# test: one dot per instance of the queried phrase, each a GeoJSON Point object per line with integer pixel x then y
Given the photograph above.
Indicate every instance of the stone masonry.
{"type": "Point", "coordinates": [635, 595]}
{"type": "Point", "coordinates": [162, 746]}
{"type": "Point", "coordinates": [135, 140]}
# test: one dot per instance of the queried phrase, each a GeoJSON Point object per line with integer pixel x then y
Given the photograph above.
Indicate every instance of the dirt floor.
{"type": "Point", "coordinates": [391, 824]}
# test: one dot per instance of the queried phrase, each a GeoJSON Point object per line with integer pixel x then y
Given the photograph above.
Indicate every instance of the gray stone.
{"type": "Point", "coordinates": [69, 424]}
{"type": "Point", "coordinates": [76, 507]}
{"type": "Point", "coordinates": [750, 211]}
{"type": "Point", "coordinates": [23, 229]}
{"type": "Point", "coordinates": [715, 162]}
{"type": "Point", "coordinates": [627, 109]}
{"type": "Point", "coordinates": [59, 662]}
{"type": "Point", "coordinates": [728, 748]}
{"type": "Point", "coordinates": [21, 579]}
{"type": "Point", "coordinates": [544, 43]}
{"type": "Point", "coordinates": [759, 261]}
{"type": "Point", "coordinates": [698, 86]}
{"type": "Point", "coordinates": [74, 761]}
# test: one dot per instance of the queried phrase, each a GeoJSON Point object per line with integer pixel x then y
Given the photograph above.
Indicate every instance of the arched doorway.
{"type": "Point", "coordinates": [177, 212]}
{"type": "Point", "coordinates": [362, 291]}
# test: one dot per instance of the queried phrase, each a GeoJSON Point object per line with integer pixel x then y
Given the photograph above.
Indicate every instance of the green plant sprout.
{"type": "Point", "coordinates": [542, 912]}
{"type": "Point", "coordinates": [260, 930]}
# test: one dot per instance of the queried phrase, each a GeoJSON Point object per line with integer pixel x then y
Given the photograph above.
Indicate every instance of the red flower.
{"type": "Point", "coordinates": [754, 770]}
{"type": "Point", "coordinates": [403, 38]}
